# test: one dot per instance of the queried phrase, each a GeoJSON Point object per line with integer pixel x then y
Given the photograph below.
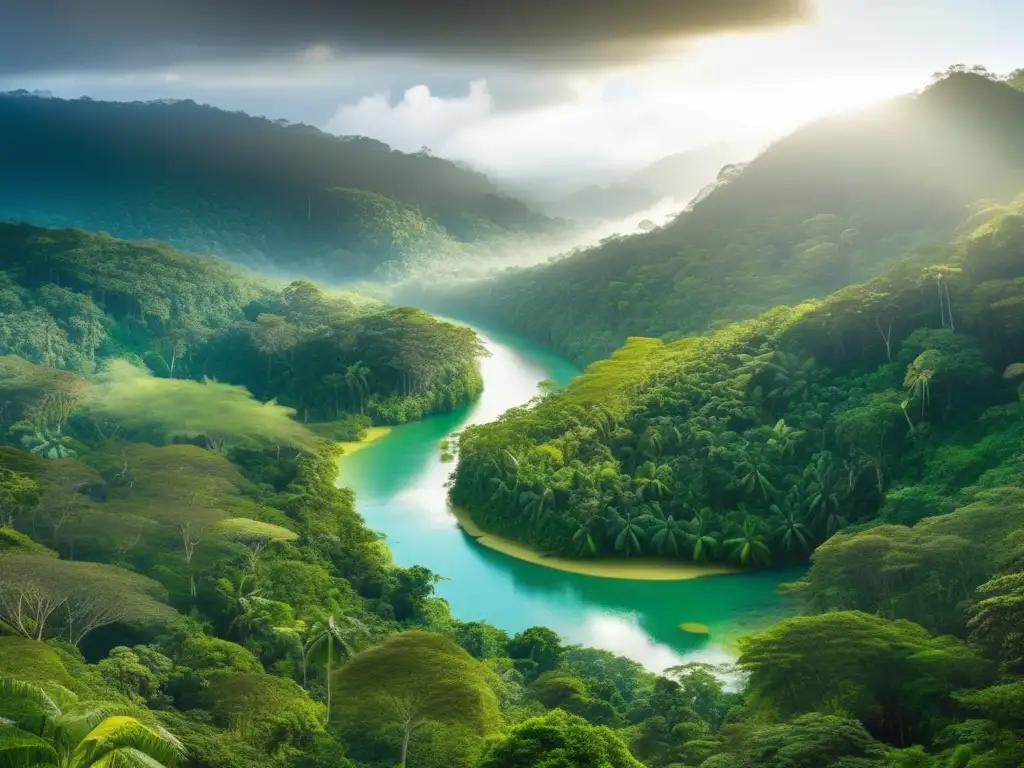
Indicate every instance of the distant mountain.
{"type": "Point", "coordinates": [273, 195]}
{"type": "Point", "coordinates": [832, 204]}
{"type": "Point", "coordinates": [679, 176]}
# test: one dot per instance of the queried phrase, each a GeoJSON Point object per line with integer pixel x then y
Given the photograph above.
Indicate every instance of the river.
{"type": "Point", "coordinates": [399, 482]}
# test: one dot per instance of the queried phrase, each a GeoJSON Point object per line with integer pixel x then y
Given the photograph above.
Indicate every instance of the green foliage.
{"type": "Point", "coordinates": [225, 416]}
{"type": "Point", "coordinates": [413, 679]}
{"type": "Point", "coordinates": [809, 741]}
{"type": "Point", "coordinates": [266, 711]}
{"type": "Point", "coordinates": [875, 433]}
{"type": "Point", "coordinates": [757, 442]}
{"type": "Point", "coordinates": [88, 595]}
{"type": "Point", "coordinates": [559, 740]}
{"type": "Point", "coordinates": [288, 198]}
{"type": "Point", "coordinates": [836, 202]}
{"type": "Point", "coordinates": [892, 676]}
{"type": "Point", "coordinates": [330, 356]}
{"type": "Point", "coordinates": [55, 730]}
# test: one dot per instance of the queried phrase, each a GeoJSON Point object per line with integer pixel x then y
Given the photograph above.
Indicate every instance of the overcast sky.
{"type": "Point", "coordinates": [525, 90]}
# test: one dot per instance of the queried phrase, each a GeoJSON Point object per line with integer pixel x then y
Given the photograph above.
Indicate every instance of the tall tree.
{"type": "Point", "coordinates": [328, 641]}
{"type": "Point", "coordinates": [413, 679]}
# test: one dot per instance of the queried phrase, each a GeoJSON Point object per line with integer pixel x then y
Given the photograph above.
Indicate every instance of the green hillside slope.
{"type": "Point", "coordinates": [285, 198]}
{"type": "Point", "coordinates": [834, 203]}
{"type": "Point", "coordinates": [72, 300]}
{"type": "Point", "coordinates": [885, 403]}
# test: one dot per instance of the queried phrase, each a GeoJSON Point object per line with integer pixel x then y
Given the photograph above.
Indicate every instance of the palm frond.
{"type": "Point", "coordinates": [19, 689]}
{"type": "Point", "coordinates": [19, 748]}
{"type": "Point", "coordinates": [122, 732]}
{"type": "Point", "coordinates": [128, 757]}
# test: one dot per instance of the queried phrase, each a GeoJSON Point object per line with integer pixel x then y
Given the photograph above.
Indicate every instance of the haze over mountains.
{"type": "Point", "coordinates": [677, 178]}
{"type": "Point", "coordinates": [832, 203]}
{"type": "Point", "coordinates": [284, 198]}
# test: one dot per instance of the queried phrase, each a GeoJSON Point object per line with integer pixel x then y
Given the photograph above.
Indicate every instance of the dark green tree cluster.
{"type": "Point", "coordinates": [260, 191]}
{"type": "Point", "coordinates": [73, 300]}
{"type": "Point", "coordinates": [838, 201]}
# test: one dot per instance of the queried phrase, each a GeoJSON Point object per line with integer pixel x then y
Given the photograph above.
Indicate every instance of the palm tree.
{"type": "Point", "coordinates": [49, 442]}
{"type": "Point", "coordinates": [793, 380]}
{"type": "Point", "coordinates": [789, 528]}
{"type": "Point", "coordinates": [784, 436]}
{"type": "Point", "coordinates": [334, 381]}
{"type": "Point", "coordinates": [536, 502]}
{"type": "Point", "coordinates": [667, 533]}
{"type": "Point", "coordinates": [321, 647]}
{"type": "Point", "coordinates": [749, 548]}
{"type": "Point", "coordinates": [919, 376]}
{"type": "Point", "coordinates": [650, 443]}
{"type": "Point", "coordinates": [825, 499]}
{"type": "Point", "coordinates": [751, 477]}
{"type": "Point", "coordinates": [584, 539]}
{"type": "Point", "coordinates": [502, 490]}
{"type": "Point", "coordinates": [604, 424]}
{"type": "Point", "coordinates": [54, 729]}
{"type": "Point", "coordinates": [241, 596]}
{"type": "Point", "coordinates": [629, 530]}
{"type": "Point", "coordinates": [506, 478]}
{"type": "Point", "coordinates": [699, 533]}
{"type": "Point", "coordinates": [357, 377]}
{"type": "Point", "coordinates": [649, 482]}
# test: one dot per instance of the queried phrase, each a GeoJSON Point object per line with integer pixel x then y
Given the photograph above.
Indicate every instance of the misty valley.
{"type": "Point", "coordinates": [317, 453]}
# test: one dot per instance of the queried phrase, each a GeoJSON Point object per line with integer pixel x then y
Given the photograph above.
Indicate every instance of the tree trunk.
{"type": "Point", "coordinates": [949, 308]}
{"type": "Point", "coordinates": [907, 417]}
{"type": "Point", "coordinates": [405, 742]}
{"type": "Point", "coordinates": [330, 655]}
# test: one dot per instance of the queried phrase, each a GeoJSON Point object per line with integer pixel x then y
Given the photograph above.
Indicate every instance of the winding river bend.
{"type": "Point", "coordinates": [399, 483]}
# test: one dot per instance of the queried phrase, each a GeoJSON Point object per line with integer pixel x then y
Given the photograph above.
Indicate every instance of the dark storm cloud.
{"type": "Point", "coordinates": [54, 35]}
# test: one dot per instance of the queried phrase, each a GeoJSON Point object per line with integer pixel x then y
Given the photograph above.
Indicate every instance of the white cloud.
{"type": "Point", "coordinates": [615, 121]}
{"type": "Point", "coordinates": [418, 119]}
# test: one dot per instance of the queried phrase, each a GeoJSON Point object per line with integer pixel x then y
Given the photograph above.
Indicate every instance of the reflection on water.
{"type": "Point", "coordinates": [399, 482]}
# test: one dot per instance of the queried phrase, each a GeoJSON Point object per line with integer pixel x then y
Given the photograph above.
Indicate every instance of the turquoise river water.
{"type": "Point", "coordinates": [399, 482]}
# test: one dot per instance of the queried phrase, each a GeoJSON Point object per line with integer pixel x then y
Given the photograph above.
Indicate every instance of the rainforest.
{"type": "Point", "coordinates": [315, 452]}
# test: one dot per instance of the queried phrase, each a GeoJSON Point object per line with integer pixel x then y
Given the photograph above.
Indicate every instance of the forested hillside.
{"type": "Point", "coordinates": [285, 198]}
{"type": "Point", "coordinates": [889, 402]}
{"type": "Point", "coordinates": [679, 176]}
{"type": "Point", "coordinates": [834, 203]}
{"type": "Point", "coordinates": [183, 584]}
{"type": "Point", "coordinates": [72, 300]}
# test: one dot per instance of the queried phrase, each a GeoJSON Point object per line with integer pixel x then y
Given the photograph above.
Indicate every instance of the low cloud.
{"type": "Point", "coordinates": [578, 139]}
{"type": "Point", "coordinates": [55, 35]}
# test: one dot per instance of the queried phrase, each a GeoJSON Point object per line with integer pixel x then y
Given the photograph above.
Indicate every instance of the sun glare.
{"type": "Point", "coordinates": [767, 82]}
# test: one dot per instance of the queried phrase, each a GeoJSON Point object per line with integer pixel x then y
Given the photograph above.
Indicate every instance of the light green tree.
{"type": "Point", "coordinates": [413, 679]}
{"type": "Point", "coordinates": [223, 414]}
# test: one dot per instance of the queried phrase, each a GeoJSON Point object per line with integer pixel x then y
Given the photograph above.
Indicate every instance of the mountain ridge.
{"type": "Point", "coordinates": [832, 204]}
{"type": "Point", "coordinates": [255, 190]}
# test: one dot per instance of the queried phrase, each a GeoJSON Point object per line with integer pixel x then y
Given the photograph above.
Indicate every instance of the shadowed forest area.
{"type": "Point", "coordinates": [280, 197]}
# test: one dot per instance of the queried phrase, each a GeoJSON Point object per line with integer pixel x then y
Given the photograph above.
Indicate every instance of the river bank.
{"type": "Point", "coordinates": [638, 569]}
{"type": "Point", "coordinates": [372, 434]}
{"type": "Point", "coordinates": [649, 616]}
